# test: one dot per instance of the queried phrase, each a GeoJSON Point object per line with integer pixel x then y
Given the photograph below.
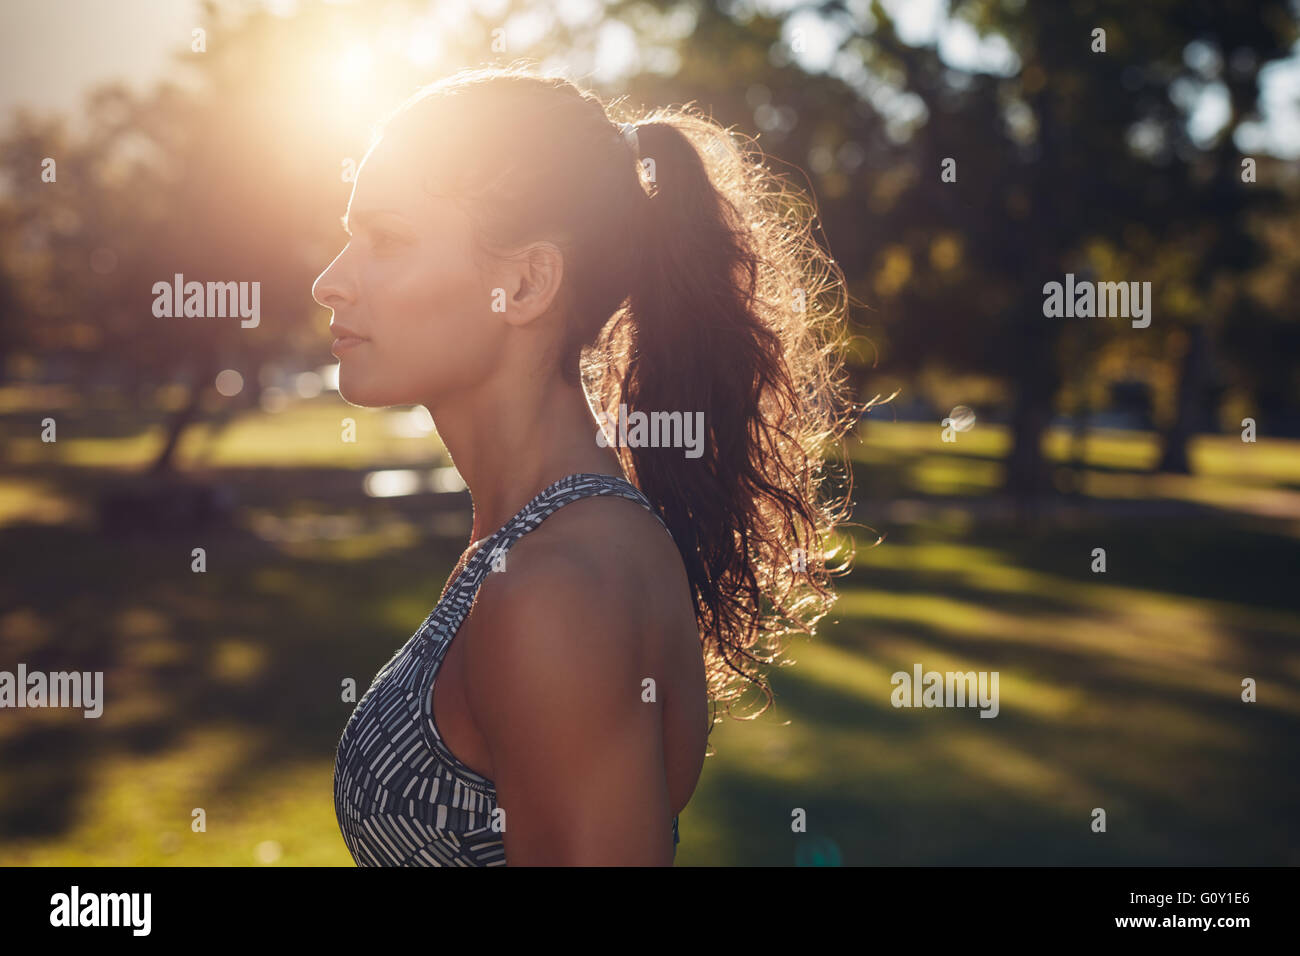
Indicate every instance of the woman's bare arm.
{"type": "Point", "coordinates": [554, 679]}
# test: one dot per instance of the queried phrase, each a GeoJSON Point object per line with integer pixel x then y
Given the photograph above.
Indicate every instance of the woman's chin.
{"type": "Point", "coordinates": [365, 393]}
{"type": "Point", "coordinates": [356, 391]}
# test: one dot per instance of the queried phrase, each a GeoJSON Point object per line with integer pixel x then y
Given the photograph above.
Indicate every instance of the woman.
{"type": "Point", "coordinates": [538, 276]}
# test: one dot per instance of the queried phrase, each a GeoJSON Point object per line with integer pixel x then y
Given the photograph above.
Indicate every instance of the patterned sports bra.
{"type": "Point", "coordinates": [402, 798]}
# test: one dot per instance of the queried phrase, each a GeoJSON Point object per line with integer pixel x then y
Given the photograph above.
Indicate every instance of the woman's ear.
{"type": "Point", "coordinates": [535, 275]}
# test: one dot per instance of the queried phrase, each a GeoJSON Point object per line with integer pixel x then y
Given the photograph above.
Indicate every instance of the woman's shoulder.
{"type": "Point", "coordinates": [607, 543]}
{"type": "Point", "coordinates": [603, 558]}
{"type": "Point", "coordinates": [564, 597]}
{"type": "Point", "coordinates": [587, 605]}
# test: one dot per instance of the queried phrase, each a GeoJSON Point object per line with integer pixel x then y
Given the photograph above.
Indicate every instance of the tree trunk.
{"type": "Point", "coordinates": [1188, 405]}
{"type": "Point", "coordinates": [1028, 474]}
{"type": "Point", "coordinates": [163, 464]}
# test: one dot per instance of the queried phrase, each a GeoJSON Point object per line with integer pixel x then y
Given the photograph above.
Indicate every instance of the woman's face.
{"type": "Point", "coordinates": [407, 285]}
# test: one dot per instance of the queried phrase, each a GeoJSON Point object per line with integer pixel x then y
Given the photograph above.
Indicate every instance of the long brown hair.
{"type": "Point", "coordinates": [692, 282]}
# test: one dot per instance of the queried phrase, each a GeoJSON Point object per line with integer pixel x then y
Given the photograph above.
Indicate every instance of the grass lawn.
{"type": "Point", "coordinates": [1118, 690]}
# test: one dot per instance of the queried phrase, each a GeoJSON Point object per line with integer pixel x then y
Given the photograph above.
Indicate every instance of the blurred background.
{"type": "Point", "coordinates": [218, 140]}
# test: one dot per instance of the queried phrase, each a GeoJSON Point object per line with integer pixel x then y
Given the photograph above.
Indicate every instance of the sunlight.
{"type": "Point", "coordinates": [352, 69]}
{"type": "Point", "coordinates": [422, 47]}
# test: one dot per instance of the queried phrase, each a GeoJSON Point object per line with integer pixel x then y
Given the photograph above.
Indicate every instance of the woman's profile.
{"type": "Point", "coordinates": [630, 345]}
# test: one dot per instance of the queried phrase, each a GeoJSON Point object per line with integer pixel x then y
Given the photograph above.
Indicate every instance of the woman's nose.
{"type": "Point", "coordinates": [330, 288]}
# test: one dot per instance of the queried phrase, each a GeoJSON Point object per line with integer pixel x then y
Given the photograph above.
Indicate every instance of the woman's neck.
{"type": "Point", "coordinates": [508, 446]}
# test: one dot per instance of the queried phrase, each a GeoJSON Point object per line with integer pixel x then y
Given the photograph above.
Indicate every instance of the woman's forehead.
{"type": "Point", "coordinates": [386, 180]}
{"type": "Point", "coordinates": [384, 163]}
{"type": "Point", "coordinates": [395, 168]}
{"type": "Point", "coordinates": [385, 186]}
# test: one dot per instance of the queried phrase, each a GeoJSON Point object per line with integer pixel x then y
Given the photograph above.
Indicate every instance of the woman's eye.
{"type": "Point", "coordinates": [382, 240]}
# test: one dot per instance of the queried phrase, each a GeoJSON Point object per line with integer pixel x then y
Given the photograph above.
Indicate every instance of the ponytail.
{"type": "Point", "coordinates": [727, 315]}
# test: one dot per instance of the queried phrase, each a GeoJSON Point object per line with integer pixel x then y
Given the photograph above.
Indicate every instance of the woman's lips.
{"type": "Point", "coordinates": [345, 342]}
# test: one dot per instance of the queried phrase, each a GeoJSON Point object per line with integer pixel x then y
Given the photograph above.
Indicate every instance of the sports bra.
{"type": "Point", "coordinates": [401, 797]}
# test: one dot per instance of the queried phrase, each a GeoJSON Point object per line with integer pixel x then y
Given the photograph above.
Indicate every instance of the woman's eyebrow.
{"type": "Point", "coordinates": [364, 216]}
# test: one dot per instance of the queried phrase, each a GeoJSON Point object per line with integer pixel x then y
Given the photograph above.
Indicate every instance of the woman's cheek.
{"type": "Point", "coordinates": [389, 299]}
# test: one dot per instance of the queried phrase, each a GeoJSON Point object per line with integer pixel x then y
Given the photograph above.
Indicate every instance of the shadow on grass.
{"type": "Point", "coordinates": [293, 626]}
{"type": "Point", "coordinates": [1187, 772]}
{"type": "Point", "coordinates": [946, 787]}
